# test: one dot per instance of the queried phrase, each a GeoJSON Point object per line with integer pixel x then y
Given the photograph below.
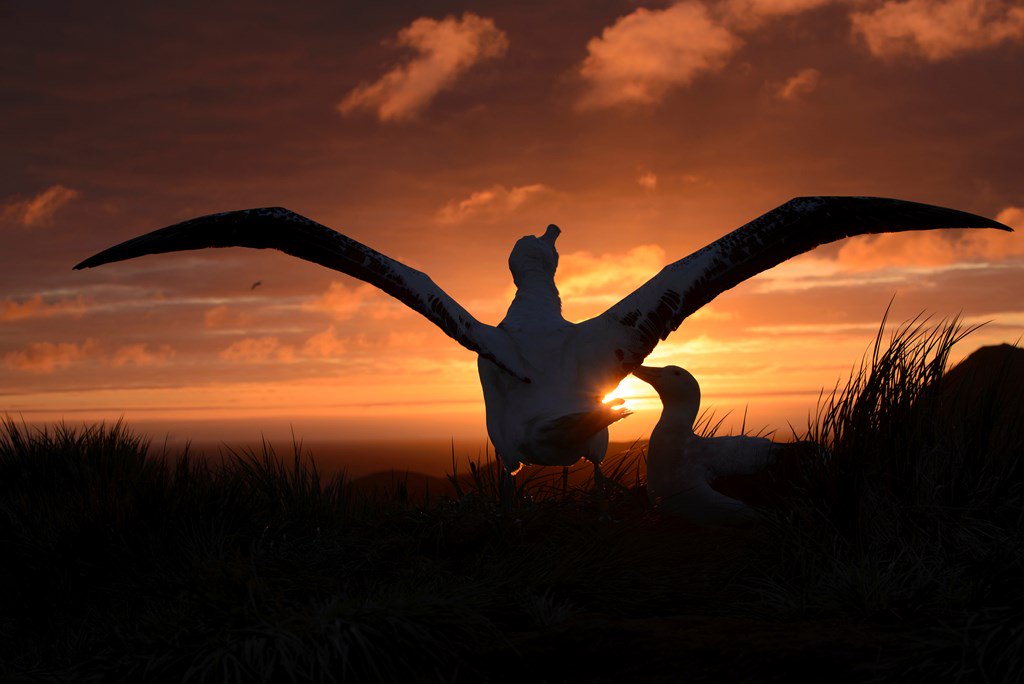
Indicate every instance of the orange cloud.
{"type": "Point", "coordinates": [804, 82]}
{"type": "Point", "coordinates": [258, 350]}
{"type": "Point", "coordinates": [39, 210]}
{"type": "Point", "coordinates": [647, 53]}
{"type": "Point", "coordinates": [495, 200]}
{"type": "Point", "coordinates": [589, 284]}
{"type": "Point", "coordinates": [340, 301]}
{"type": "Point", "coordinates": [750, 13]}
{"type": "Point", "coordinates": [445, 49]}
{"type": "Point", "coordinates": [46, 357]}
{"type": "Point", "coordinates": [408, 340]}
{"type": "Point", "coordinates": [1012, 216]}
{"type": "Point", "coordinates": [36, 307]}
{"type": "Point", "coordinates": [938, 29]}
{"type": "Point", "coordinates": [581, 273]}
{"type": "Point", "coordinates": [892, 257]}
{"type": "Point", "coordinates": [223, 317]}
{"type": "Point", "coordinates": [928, 249]}
{"type": "Point", "coordinates": [343, 302]}
{"type": "Point", "coordinates": [139, 355]}
{"type": "Point", "coordinates": [325, 344]}
{"type": "Point", "coordinates": [648, 181]}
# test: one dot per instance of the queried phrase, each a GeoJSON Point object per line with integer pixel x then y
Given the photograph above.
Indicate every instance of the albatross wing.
{"type": "Point", "coordinates": [291, 233]}
{"type": "Point", "coordinates": [637, 323]}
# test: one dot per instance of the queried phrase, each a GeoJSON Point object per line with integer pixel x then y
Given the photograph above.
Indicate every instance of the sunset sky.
{"type": "Point", "coordinates": [441, 132]}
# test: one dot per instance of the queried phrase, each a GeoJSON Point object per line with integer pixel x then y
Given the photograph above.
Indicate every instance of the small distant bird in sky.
{"type": "Point", "coordinates": [681, 465]}
{"type": "Point", "coordinates": [255, 285]}
{"type": "Point", "coordinates": [543, 377]}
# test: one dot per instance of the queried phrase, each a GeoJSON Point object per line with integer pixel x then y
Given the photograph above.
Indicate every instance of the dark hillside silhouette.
{"type": "Point", "coordinates": [991, 375]}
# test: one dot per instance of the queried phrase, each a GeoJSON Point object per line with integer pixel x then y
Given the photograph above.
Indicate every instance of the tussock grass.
{"type": "Point", "coordinates": [914, 511]}
{"type": "Point", "coordinates": [894, 552]}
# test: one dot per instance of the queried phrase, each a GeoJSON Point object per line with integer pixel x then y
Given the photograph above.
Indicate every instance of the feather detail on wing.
{"type": "Point", "coordinates": [291, 233]}
{"type": "Point", "coordinates": [636, 324]}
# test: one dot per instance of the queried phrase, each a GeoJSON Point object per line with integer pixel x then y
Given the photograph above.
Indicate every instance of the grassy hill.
{"type": "Point", "coordinates": [892, 551]}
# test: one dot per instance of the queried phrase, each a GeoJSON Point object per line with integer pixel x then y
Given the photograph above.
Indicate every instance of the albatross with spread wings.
{"type": "Point", "coordinates": [543, 377]}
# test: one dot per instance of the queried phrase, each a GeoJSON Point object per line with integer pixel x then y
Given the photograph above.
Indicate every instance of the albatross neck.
{"type": "Point", "coordinates": [536, 300]}
{"type": "Point", "coordinates": [678, 416]}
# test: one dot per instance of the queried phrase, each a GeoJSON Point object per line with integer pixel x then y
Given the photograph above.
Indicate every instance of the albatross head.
{"type": "Point", "coordinates": [535, 255]}
{"type": "Point", "coordinates": [673, 384]}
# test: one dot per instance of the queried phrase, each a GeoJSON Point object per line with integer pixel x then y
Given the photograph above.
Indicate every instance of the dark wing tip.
{"type": "Point", "coordinates": [930, 214]}
{"type": "Point", "coordinates": [92, 261]}
{"type": "Point", "coordinates": [107, 256]}
{"type": "Point", "coordinates": [146, 244]}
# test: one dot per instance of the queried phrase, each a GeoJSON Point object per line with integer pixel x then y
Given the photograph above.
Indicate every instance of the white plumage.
{"type": "Point", "coordinates": [681, 466]}
{"type": "Point", "coordinates": [544, 377]}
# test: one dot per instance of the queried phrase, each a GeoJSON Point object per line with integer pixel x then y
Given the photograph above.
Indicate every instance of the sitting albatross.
{"type": "Point", "coordinates": [543, 377]}
{"type": "Point", "coordinates": [681, 466]}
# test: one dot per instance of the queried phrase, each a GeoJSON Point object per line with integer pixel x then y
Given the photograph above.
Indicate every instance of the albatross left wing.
{"type": "Point", "coordinates": [291, 233]}
{"type": "Point", "coordinates": [636, 324]}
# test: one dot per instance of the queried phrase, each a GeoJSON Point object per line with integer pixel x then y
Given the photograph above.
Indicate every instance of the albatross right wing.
{"type": "Point", "coordinates": [291, 233]}
{"type": "Point", "coordinates": [637, 323]}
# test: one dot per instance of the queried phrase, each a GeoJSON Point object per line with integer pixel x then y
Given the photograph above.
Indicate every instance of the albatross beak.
{"type": "Point", "coordinates": [551, 234]}
{"type": "Point", "coordinates": [647, 373]}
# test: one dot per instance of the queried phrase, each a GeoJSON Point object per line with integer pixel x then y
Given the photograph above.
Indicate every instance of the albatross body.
{"type": "Point", "coordinates": [681, 466]}
{"type": "Point", "coordinates": [543, 377]}
{"type": "Point", "coordinates": [558, 417]}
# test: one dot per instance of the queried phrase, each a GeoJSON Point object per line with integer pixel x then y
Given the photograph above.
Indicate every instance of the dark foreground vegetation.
{"type": "Point", "coordinates": [892, 551]}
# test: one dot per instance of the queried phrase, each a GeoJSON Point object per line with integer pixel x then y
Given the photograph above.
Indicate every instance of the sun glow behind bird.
{"type": "Point", "coordinates": [634, 394]}
{"type": "Point", "coordinates": [641, 402]}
